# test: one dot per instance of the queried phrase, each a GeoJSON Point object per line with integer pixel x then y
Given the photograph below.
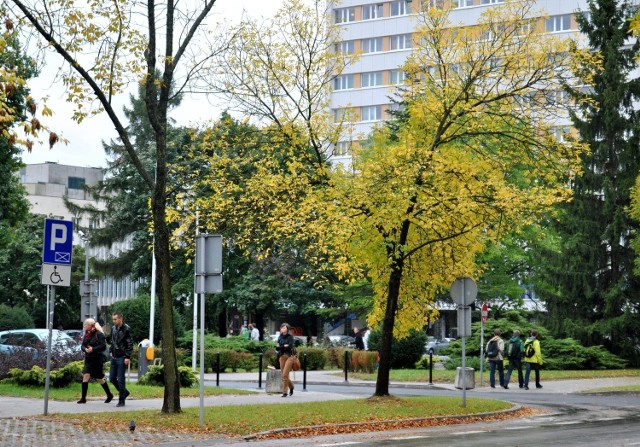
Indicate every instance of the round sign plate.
{"type": "Point", "coordinates": [464, 291]}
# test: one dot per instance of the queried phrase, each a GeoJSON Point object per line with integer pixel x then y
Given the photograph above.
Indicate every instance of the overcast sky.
{"type": "Point", "coordinates": [85, 139]}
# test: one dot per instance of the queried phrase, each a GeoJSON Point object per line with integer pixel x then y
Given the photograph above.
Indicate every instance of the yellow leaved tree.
{"type": "Point", "coordinates": [473, 154]}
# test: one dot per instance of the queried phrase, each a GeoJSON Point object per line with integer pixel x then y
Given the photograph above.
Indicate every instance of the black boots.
{"type": "Point", "coordinates": [85, 387]}
{"type": "Point", "coordinates": [105, 387]}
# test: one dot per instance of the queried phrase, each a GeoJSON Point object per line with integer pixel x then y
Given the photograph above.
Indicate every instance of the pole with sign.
{"type": "Point", "coordinates": [463, 292]}
{"type": "Point", "coordinates": [56, 271]}
{"type": "Point", "coordinates": [208, 279]}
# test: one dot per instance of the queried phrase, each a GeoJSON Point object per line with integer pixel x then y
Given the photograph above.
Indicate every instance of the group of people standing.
{"type": "Point", "coordinates": [95, 349]}
{"type": "Point", "coordinates": [516, 352]}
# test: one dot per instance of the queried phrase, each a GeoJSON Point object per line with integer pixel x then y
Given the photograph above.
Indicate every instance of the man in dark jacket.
{"type": "Point", "coordinates": [358, 339]}
{"type": "Point", "coordinates": [121, 350]}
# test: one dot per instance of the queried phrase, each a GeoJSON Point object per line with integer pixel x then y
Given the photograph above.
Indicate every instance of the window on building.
{"type": "Point", "coordinates": [397, 77]}
{"type": "Point", "coordinates": [342, 148]}
{"type": "Point", "coordinates": [396, 107]}
{"type": "Point", "coordinates": [372, 45]}
{"type": "Point", "coordinates": [490, 2]}
{"type": "Point", "coordinates": [401, 42]}
{"type": "Point", "coordinates": [370, 12]}
{"type": "Point", "coordinates": [434, 4]}
{"type": "Point", "coordinates": [371, 79]}
{"type": "Point", "coordinates": [371, 113]}
{"type": "Point", "coordinates": [343, 82]}
{"type": "Point", "coordinates": [462, 3]}
{"type": "Point", "coordinates": [339, 115]}
{"type": "Point", "coordinates": [76, 182]}
{"type": "Point", "coordinates": [399, 8]}
{"type": "Point", "coordinates": [556, 24]}
{"type": "Point", "coordinates": [347, 47]}
{"type": "Point", "coordinates": [344, 15]}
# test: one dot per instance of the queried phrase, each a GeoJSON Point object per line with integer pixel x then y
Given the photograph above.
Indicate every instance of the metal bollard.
{"type": "Point", "coordinates": [346, 366]}
{"type": "Point", "coordinates": [304, 372]}
{"type": "Point", "coordinates": [259, 371]}
{"type": "Point", "coordinates": [431, 368]}
{"type": "Point", "coordinates": [217, 369]}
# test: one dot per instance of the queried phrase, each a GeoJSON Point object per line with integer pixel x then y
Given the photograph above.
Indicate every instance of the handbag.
{"type": "Point", "coordinates": [295, 362]}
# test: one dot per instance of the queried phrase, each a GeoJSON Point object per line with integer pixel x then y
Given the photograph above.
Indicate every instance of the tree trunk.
{"type": "Point", "coordinates": [171, 403]}
{"type": "Point", "coordinates": [396, 254]}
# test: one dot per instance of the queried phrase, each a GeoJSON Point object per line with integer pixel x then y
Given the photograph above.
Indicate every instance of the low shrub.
{"type": "Point", "coordinates": [364, 361]}
{"type": "Point", "coordinates": [155, 376]}
{"type": "Point", "coordinates": [36, 376]}
{"type": "Point", "coordinates": [404, 352]}
{"type": "Point", "coordinates": [316, 358]}
{"type": "Point", "coordinates": [336, 357]}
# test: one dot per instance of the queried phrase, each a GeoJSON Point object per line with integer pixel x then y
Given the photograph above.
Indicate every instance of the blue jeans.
{"type": "Point", "coordinates": [536, 368]}
{"type": "Point", "coordinates": [517, 365]}
{"type": "Point", "coordinates": [116, 376]}
{"type": "Point", "coordinates": [493, 364]}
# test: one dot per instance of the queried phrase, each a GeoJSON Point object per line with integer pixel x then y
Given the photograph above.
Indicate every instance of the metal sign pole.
{"type": "Point", "coordinates": [464, 352]}
{"type": "Point", "coordinates": [202, 359]}
{"type": "Point", "coordinates": [51, 298]}
{"type": "Point", "coordinates": [481, 349]}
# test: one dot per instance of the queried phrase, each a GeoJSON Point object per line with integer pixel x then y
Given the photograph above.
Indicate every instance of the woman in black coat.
{"type": "Point", "coordinates": [285, 349]}
{"type": "Point", "coordinates": [93, 346]}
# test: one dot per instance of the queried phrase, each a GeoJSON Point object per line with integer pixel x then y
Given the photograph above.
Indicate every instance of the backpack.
{"type": "Point", "coordinates": [528, 349]}
{"type": "Point", "coordinates": [492, 348]}
{"type": "Point", "coordinates": [513, 349]}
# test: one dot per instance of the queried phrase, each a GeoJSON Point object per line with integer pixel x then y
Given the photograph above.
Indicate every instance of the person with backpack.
{"type": "Point", "coordinates": [515, 353]}
{"type": "Point", "coordinates": [495, 352]}
{"type": "Point", "coordinates": [532, 358]}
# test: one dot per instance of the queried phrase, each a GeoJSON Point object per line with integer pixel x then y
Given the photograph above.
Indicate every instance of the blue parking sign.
{"type": "Point", "coordinates": [58, 242]}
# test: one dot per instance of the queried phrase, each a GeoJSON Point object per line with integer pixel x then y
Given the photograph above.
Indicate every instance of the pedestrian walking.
{"type": "Point", "coordinates": [93, 346]}
{"type": "Point", "coordinates": [285, 349]}
{"type": "Point", "coordinates": [495, 352]}
{"type": "Point", "coordinates": [255, 332]}
{"type": "Point", "coordinates": [358, 339]}
{"type": "Point", "coordinates": [532, 358]}
{"type": "Point", "coordinates": [515, 354]}
{"type": "Point", "coordinates": [121, 350]}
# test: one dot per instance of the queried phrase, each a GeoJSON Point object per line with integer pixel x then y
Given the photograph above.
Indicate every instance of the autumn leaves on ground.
{"type": "Point", "coordinates": [308, 419]}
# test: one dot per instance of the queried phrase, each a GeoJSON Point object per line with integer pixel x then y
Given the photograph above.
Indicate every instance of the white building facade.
{"type": "Point", "coordinates": [381, 33]}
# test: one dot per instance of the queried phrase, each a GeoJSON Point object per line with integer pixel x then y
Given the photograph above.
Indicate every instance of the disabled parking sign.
{"type": "Point", "coordinates": [56, 252]}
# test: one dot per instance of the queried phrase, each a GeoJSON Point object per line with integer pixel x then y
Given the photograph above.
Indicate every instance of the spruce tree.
{"type": "Point", "coordinates": [596, 293]}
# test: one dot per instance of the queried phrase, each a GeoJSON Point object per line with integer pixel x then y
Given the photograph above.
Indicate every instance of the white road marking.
{"type": "Point", "coordinates": [340, 443]}
{"type": "Point", "coordinates": [470, 432]}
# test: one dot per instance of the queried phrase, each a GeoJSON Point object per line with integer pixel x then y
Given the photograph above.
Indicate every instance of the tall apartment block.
{"type": "Point", "coordinates": [381, 32]}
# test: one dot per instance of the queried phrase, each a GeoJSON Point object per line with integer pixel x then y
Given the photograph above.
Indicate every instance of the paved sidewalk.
{"type": "Point", "coordinates": [22, 425]}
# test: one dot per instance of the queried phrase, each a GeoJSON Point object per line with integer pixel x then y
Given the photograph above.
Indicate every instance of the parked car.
{"type": "Point", "coordinates": [9, 350]}
{"type": "Point", "coordinates": [62, 343]}
{"type": "Point", "coordinates": [434, 346]}
{"type": "Point", "coordinates": [345, 341]}
{"type": "Point", "coordinates": [76, 334]}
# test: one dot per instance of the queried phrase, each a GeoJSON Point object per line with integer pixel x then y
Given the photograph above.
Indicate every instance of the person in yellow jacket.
{"type": "Point", "coordinates": [533, 360]}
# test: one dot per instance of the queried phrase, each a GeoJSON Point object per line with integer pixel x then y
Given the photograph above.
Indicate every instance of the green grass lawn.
{"type": "Point", "coordinates": [242, 420]}
{"type": "Point", "coordinates": [447, 376]}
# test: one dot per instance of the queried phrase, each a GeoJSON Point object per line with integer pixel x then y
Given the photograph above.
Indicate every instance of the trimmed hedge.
{"type": "Point", "coordinates": [36, 376]}
{"type": "Point", "coordinates": [155, 376]}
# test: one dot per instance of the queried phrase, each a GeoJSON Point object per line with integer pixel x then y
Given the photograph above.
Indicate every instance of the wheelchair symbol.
{"type": "Point", "coordinates": [55, 276]}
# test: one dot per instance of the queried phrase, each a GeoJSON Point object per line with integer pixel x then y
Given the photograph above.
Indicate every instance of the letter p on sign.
{"type": "Point", "coordinates": [58, 235]}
